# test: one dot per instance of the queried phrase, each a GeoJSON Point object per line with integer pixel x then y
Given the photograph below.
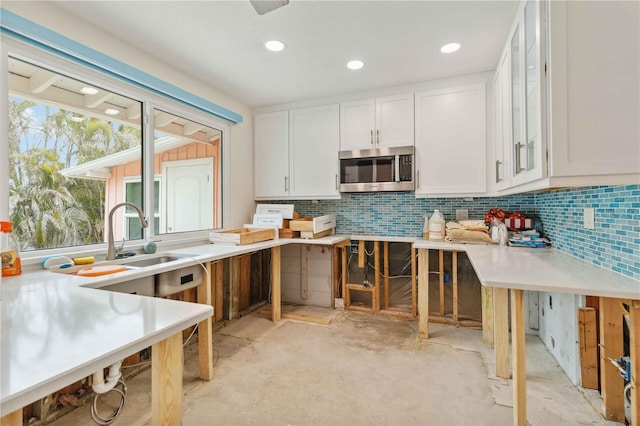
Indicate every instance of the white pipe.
{"type": "Point", "coordinates": [98, 383]}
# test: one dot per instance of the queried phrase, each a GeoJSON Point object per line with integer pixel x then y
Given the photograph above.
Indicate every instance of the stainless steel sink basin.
{"type": "Point", "coordinates": [153, 261]}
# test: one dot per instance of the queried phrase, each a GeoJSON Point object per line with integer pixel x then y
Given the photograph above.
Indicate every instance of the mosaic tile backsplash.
{"type": "Point", "coordinates": [613, 244]}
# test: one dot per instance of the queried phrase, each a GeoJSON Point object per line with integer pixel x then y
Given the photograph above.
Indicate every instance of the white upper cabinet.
{"type": "Point", "coordinates": [314, 135]}
{"type": "Point", "coordinates": [451, 141]}
{"type": "Point", "coordinates": [594, 89]}
{"type": "Point", "coordinates": [574, 102]}
{"type": "Point", "coordinates": [375, 123]}
{"type": "Point", "coordinates": [501, 177]}
{"type": "Point", "coordinates": [271, 155]}
{"type": "Point", "coordinates": [296, 154]}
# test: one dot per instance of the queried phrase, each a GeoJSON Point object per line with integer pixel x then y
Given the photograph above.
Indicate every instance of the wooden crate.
{"type": "Point", "coordinates": [242, 236]}
{"type": "Point", "coordinates": [314, 227]}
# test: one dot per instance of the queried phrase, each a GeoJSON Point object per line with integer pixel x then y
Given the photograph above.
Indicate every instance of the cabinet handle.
{"type": "Point", "coordinates": [337, 182]}
{"type": "Point", "coordinates": [519, 167]}
{"type": "Point", "coordinates": [498, 179]}
{"type": "Point", "coordinates": [286, 183]}
{"type": "Point", "coordinates": [418, 179]}
{"type": "Point", "coordinates": [377, 137]}
{"type": "Point", "coordinates": [371, 137]}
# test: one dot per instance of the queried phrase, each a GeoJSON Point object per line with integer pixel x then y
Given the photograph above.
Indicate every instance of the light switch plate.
{"type": "Point", "coordinates": [462, 214]}
{"type": "Point", "coordinates": [589, 220]}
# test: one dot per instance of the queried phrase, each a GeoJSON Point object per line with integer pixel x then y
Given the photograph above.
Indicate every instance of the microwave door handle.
{"type": "Point", "coordinates": [397, 169]}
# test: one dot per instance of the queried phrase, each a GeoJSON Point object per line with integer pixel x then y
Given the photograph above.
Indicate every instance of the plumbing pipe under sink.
{"type": "Point", "coordinates": [98, 383]}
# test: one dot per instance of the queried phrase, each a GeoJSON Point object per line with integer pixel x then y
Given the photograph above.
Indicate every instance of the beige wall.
{"type": "Point", "coordinates": [239, 159]}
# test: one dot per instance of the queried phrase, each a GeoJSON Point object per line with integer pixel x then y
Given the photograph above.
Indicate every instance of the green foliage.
{"type": "Point", "coordinates": [48, 209]}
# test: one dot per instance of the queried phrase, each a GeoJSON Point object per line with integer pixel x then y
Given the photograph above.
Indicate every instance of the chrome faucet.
{"type": "Point", "coordinates": [111, 249]}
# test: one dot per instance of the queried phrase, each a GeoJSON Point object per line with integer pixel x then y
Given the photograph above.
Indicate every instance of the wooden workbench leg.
{"type": "Point", "coordinates": [218, 278]}
{"type": "Point", "coordinates": [634, 327]}
{"type": "Point", "coordinates": [205, 329]}
{"type": "Point", "coordinates": [275, 283]}
{"type": "Point", "coordinates": [414, 293]}
{"type": "Point", "coordinates": [611, 341]}
{"type": "Point", "coordinates": [166, 381]}
{"type": "Point", "coordinates": [376, 280]}
{"type": "Point", "coordinates": [518, 356]}
{"type": "Point", "coordinates": [501, 331]}
{"type": "Point", "coordinates": [454, 277]}
{"type": "Point", "coordinates": [441, 279]}
{"type": "Point", "coordinates": [487, 314]}
{"type": "Point", "coordinates": [423, 294]}
{"type": "Point", "coordinates": [12, 419]}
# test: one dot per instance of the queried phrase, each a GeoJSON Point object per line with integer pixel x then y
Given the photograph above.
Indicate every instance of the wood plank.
{"type": "Point", "coordinates": [376, 267]}
{"type": "Point", "coordinates": [166, 381]}
{"type": "Point", "coordinates": [234, 286]}
{"type": "Point", "coordinates": [501, 332]}
{"type": "Point", "coordinates": [275, 283]}
{"type": "Point", "coordinates": [487, 314]}
{"type": "Point", "coordinates": [454, 274]}
{"type": "Point", "coordinates": [518, 356]}
{"type": "Point", "coordinates": [385, 262]}
{"type": "Point", "coordinates": [219, 286]}
{"type": "Point", "coordinates": [298, 316]}
{"type": "Point", "coordinates": [414, 293]}
{"type": "Point", "coordinates": [588, 340]}
{"type": "Point", "coordinates": [634, 346]}
{"type": "Point", "coordinates": [335, 280]}
{"type": "Point", "coordinates": [441, 279]}
{"type": "Point", "coordinates": [345, 272]}
{"type": "Point", "coordinates": [362, 255]}
{"type": "Point", "coordinates": [423, 294]}
{"type": "Point", "coordinates": [611, 383]}
{"type": "Point", "coordinates": [244, 281]}
{"type": "Point", "coordinates": [12, 419]}
{"type": "Point", "coordinates": [205, 329]}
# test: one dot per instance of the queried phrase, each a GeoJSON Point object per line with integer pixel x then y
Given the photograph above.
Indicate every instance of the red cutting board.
{"type": "Point", "coordinates": [95, 271]}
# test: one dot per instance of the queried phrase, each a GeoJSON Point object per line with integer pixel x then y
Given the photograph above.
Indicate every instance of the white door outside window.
{"type": "Point", "coordinates": [189, 194]}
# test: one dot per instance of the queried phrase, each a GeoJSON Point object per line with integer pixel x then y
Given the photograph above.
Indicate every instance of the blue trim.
{"type": "Point", "coordinates": [29, 32]}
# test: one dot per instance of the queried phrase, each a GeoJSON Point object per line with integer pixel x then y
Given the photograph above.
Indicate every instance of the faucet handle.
{"type": "Point", "coordinates": [118, 249]}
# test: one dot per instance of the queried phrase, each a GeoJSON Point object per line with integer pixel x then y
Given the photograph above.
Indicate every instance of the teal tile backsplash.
{"type": "Point", "coordinates": [613, 244]}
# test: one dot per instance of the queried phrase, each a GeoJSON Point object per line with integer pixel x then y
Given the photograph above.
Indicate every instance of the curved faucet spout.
{"type": "Point", "coordinates": [111, 248]}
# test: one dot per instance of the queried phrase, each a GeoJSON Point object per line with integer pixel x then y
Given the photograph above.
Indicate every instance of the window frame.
{"type": "Point", "coordinates": [10, 47]}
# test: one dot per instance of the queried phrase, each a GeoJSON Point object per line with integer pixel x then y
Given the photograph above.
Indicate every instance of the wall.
{"type": "Point", "coordinates": [240, 183]}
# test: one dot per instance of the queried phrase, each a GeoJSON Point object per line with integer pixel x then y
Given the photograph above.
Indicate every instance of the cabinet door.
{"type": "Point", "coordinates": [357, 124]}
{"type": "Point", "coordinates": [451, 140]}
{"type": "Point", "coordinates": [528, 141]}
{"type": "Point", "coordinates": [500, 173]}
{"type": "Point", "coordinates": [271, 155]}
{"type": "Point", "coordinates": [394, 121]}
{"type": "Point", "coordinates": [314, 143]}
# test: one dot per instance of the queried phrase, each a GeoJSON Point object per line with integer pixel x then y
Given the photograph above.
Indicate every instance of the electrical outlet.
{"type": "Point", "coordinates": [462, 214]}
{"type": "Point", "coordinates": [589, 220]}
{"type": "Point", "coordinates": [354, 248]}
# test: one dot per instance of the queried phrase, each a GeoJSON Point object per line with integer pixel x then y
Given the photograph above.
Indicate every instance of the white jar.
{"type": "Point", "coordinates": [436, 226]}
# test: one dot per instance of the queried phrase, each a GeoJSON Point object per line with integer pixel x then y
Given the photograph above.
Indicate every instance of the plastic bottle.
{"type": "Point", "coordinates": [10, 253]}
{"type": "Point", "coordinates": [436, 226]}
{"type": "Point", "coordinates": [425, 228]}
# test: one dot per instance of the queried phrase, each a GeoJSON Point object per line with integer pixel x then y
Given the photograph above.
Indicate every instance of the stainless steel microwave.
{"type": "Point", "coordinates": [377, 169]}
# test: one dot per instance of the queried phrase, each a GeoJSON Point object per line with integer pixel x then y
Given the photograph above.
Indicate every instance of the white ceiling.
{"type": "Point", "coordinates": [221, 42]}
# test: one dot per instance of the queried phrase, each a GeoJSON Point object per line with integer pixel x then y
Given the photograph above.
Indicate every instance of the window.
{"type": "Point", "coordinates": [77, 149]}
{"type": "Point", "coordinates": [133, 193]}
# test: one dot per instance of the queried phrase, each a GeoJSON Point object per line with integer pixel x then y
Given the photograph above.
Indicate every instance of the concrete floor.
{"type": "Point", "coordinates": [359, 370]}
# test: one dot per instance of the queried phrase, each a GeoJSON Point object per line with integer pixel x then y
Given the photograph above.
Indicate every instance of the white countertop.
{"type": "Point", "coordinates": [540, 269]}
{"type": "Point", "coordinates": [57, 328]}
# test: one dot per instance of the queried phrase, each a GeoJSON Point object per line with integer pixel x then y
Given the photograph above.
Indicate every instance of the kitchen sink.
{"type": "Point", "coordinates": [153, 261]}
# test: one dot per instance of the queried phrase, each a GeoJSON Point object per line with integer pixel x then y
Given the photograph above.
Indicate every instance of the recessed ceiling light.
{"type": "Point", "coordinates": [89, 90]}
{"type": "Point", "coordinates": [450, 47]}
{"type": "Point", "coordinates": [356, 64]}
{"type": "Point", "coordinates": [275, 45]}
{"type": "Point", "coordinates": [111, 111]}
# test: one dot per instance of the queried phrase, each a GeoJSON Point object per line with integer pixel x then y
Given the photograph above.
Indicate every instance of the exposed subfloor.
{"type": "Point", "coordinates": [359, 370]}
